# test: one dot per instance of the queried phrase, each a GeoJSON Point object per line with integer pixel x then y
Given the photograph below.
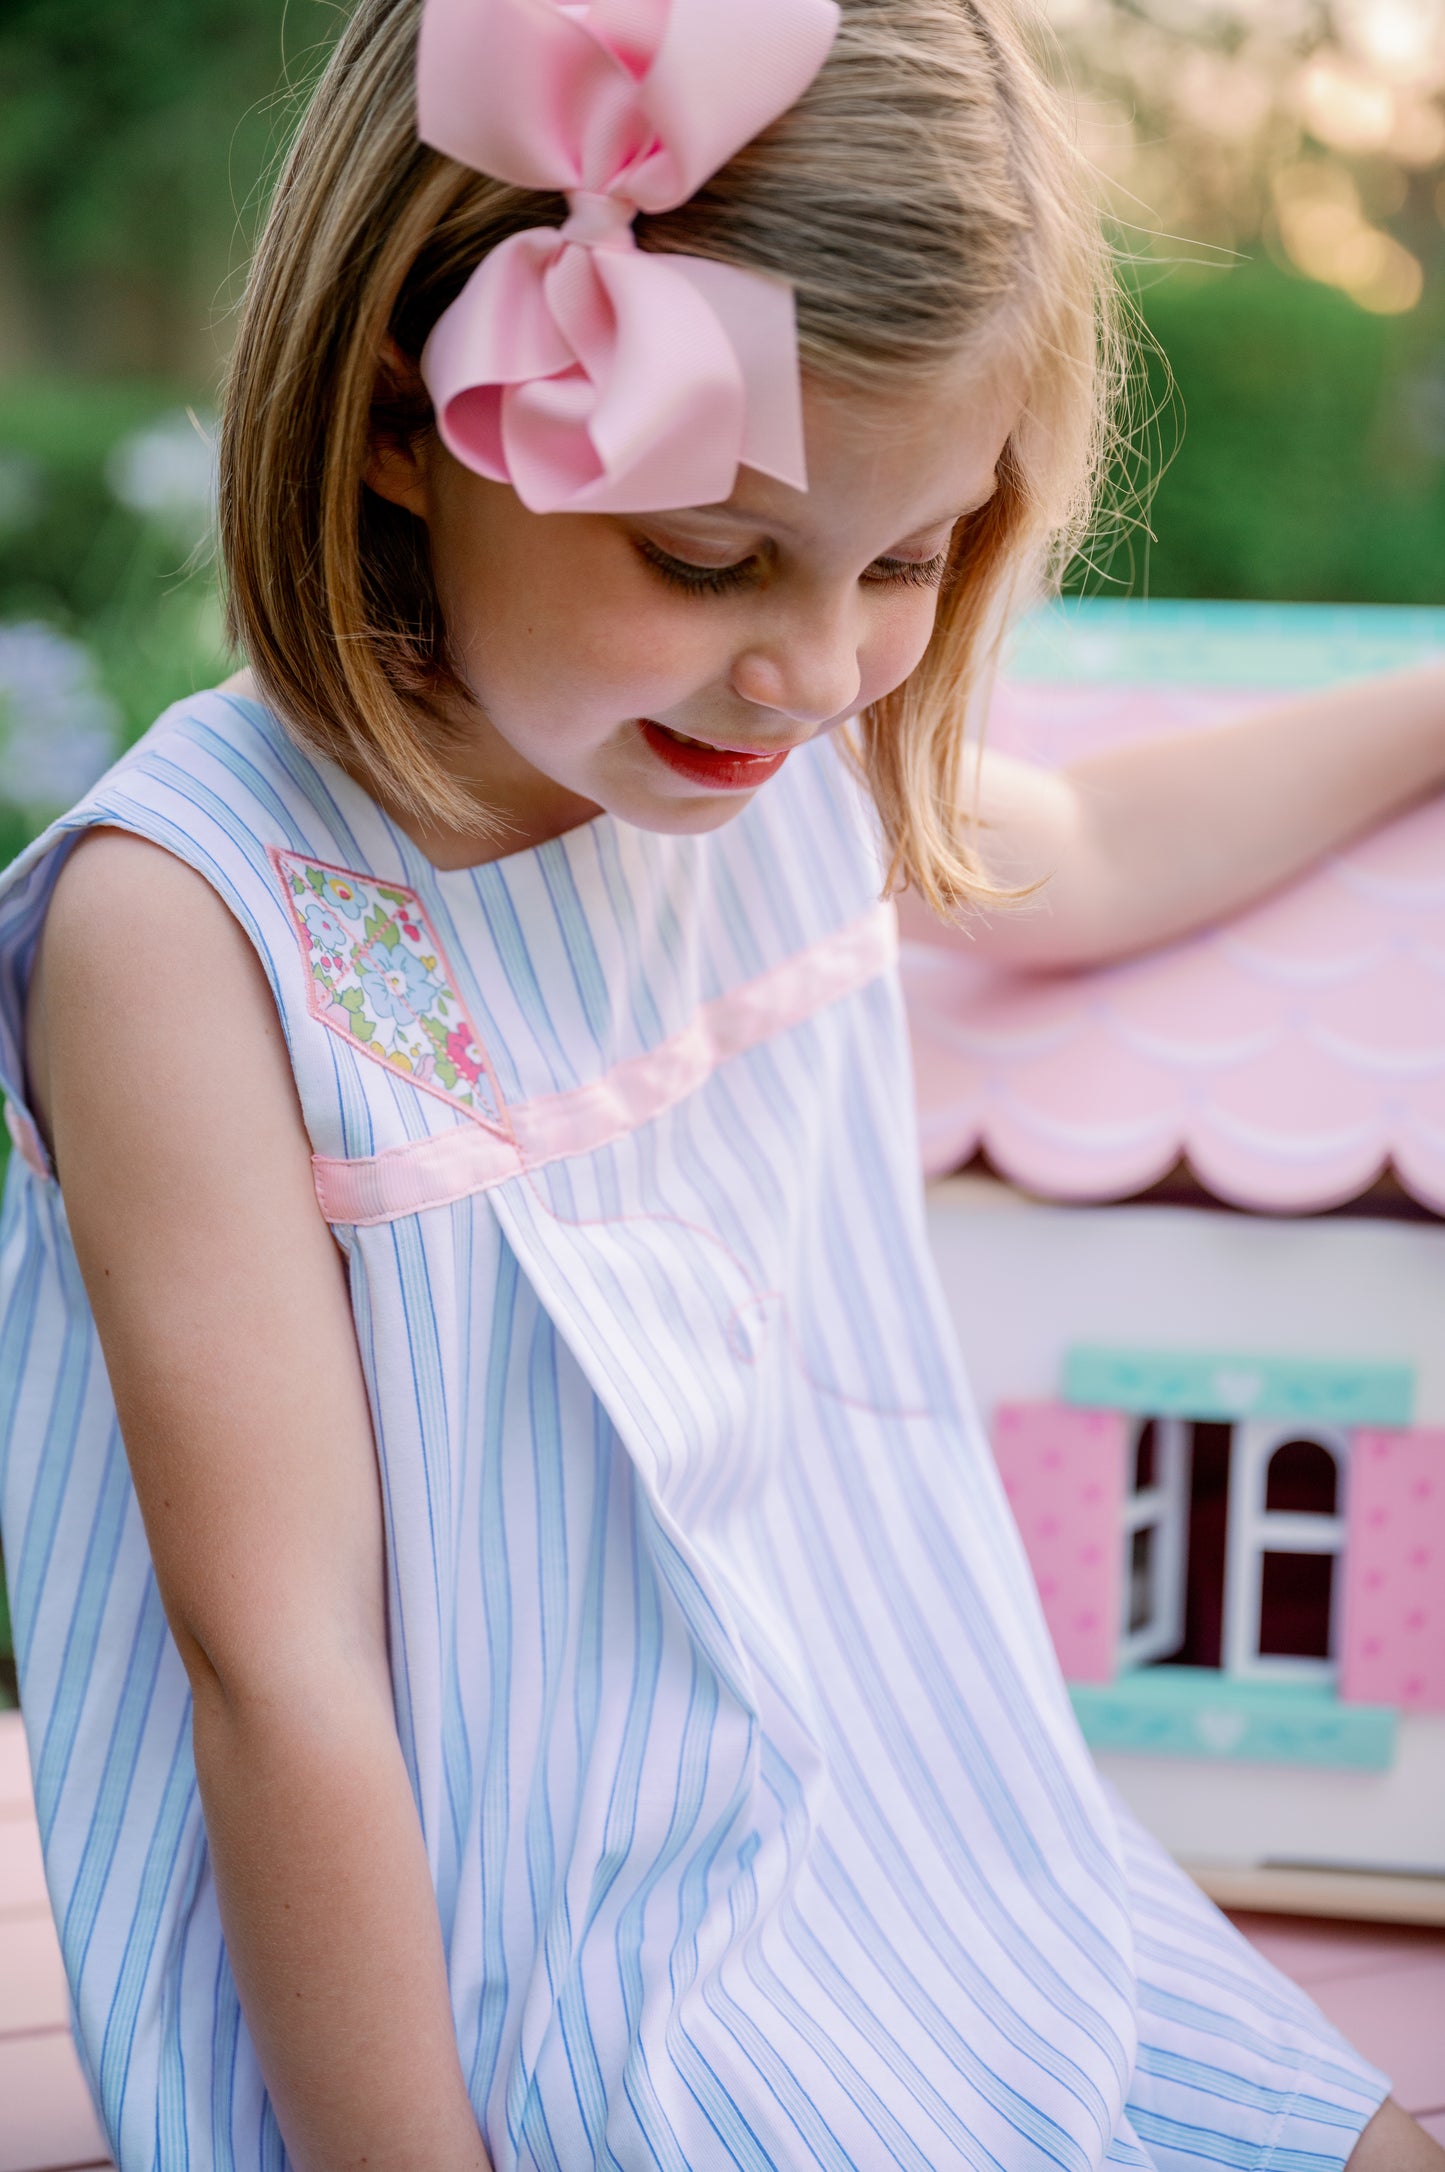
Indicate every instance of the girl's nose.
{"type": "Point", "coordinates": [808, 674]}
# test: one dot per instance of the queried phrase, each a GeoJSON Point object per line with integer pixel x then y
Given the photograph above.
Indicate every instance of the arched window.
{"type": "Point", "coordinates": [1286, 1534]}
{"type": "Point", "coordinates": [1302, 1478]}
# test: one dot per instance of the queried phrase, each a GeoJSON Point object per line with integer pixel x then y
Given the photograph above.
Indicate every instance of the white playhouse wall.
{"type": "Point", "coordinates": [1026, 1280]}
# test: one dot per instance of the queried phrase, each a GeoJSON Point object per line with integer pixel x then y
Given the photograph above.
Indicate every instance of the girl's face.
{"type": "Point", "coordinates": [661, 666]}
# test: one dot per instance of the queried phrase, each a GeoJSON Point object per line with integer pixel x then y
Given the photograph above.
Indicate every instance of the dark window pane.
{"type": "Point", "coordinates": [1302, 1479]}
{"type": "Point", "coordinates": [1144, 1457]}
{"type": "Point", "coordinates": [1141, 1578]}
{"type": "Point", "coordinates": [1208, 1519]}
{"type": "Point", "coordinates": [1294, 1608]}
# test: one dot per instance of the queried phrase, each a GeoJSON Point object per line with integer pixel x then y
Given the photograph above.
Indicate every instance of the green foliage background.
{"type": "Point", "coordinates": [1311, 467]}
{"type": "Point", "coordinates": [132, 140]}
{"type": "Point", "coordinates": [135, 142]}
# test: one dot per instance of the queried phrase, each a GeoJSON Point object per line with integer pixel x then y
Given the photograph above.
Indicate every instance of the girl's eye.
{"type": "Point", "coordinates": [914, 572]}
{"type": "Point", "coordinates": [717, 580]}
{"type": "Point", "coordinates": [699, 580]}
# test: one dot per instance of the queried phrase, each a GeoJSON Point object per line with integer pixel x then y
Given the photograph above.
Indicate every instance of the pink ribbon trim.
{"type": "Point", "coordinates": [436, 1171]}
{"type": "Point", "coordinates": [27, 1141]}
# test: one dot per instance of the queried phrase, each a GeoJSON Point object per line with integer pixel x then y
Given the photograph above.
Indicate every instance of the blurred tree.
{"type": "Point", "coordinates": [133, 139]}
{"type": "Point", "coordinates": [1276, 172]}
{"type": "Point", "coordinates": [1288, 446]}
{"type": "Point", "coordinates": [1314, 125]}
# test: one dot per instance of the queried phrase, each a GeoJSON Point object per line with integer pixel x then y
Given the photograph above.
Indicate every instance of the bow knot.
{"type": "Point", "coordinates": [585, 372]}
{"type": "Point", "coordinates": [598, 221]}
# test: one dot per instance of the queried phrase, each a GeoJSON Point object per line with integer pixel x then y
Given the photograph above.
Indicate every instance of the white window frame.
{"type": "Point", "coordinates": [1254, 1531]}
{"type": "Point", "coordinates": [1162, 1508]}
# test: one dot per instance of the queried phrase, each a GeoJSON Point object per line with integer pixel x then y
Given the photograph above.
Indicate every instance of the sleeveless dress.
{"type": "Point", "coordinates": [761, 1832]}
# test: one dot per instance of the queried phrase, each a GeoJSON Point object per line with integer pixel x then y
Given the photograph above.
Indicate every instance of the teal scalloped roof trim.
{"type": "Point", "coordinates": [1116, 640]}
{"type": "Point", "coordinates": [1196, 1712]}
{"type": "Point", "coordinates": [1226, 1385]}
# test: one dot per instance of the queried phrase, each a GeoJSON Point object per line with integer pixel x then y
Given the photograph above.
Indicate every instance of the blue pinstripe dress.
{"type": "Point", "coordinates": [761, 1833]}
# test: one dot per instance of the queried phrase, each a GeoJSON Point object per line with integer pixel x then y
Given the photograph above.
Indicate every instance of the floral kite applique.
{"type": "Point", "coordinates": [378, 978]}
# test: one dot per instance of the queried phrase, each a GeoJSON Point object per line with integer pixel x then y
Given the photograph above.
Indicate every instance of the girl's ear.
{"type": "Point", "coordinates": [401, 422]}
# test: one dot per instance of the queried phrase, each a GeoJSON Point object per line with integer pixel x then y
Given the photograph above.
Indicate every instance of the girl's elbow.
{"type": "Point", "coordinates": [301, 1682]}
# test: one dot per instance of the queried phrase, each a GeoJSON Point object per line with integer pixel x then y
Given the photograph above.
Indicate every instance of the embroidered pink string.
{"type": "Point", "coordinates": [590, 374]}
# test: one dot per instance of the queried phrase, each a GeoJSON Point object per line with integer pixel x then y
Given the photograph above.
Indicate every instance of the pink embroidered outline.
{"type": "Point", "coordinates": [438, 1170]}
{"type": "Point", "coordinates": [342, 1184]}
{"type": "Point", "coordinates": [880, 924]}
{"type": "Point", "coordinates": [280, 856]}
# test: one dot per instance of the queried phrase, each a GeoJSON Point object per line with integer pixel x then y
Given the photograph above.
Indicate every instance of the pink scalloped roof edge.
{"type": "Point", "coordinates": [1288, 1055]}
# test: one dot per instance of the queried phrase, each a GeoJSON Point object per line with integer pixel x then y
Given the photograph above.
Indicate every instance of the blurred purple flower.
{"type": "Point", "coordinates": [58, 728]}
{"type": "Point", "coordinates": [166, 472]}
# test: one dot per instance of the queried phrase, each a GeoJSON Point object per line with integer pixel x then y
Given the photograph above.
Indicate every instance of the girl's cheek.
{"type": "Point", "coordinates": [896, 647]}
{"type": "Point", "coordinates": [653, 648]}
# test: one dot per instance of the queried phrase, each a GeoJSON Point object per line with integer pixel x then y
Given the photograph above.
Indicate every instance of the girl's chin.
{"type": "Point", "coordinates": [687, 815]}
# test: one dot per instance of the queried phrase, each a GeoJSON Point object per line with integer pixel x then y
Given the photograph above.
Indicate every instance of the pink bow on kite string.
{"type": "Point", "coordinates": [588, 373]}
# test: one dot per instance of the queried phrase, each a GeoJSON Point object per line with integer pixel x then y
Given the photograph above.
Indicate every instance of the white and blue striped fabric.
{"type": "Point", "coordinates": [761, 1832]}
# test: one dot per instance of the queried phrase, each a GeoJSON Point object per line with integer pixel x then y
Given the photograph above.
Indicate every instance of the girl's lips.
{"type": "Point", "coordinates": [722, 769]}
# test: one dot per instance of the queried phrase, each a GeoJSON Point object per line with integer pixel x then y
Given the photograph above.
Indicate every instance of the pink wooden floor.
{"type": "Point", "coordinates": [1383, 1986]}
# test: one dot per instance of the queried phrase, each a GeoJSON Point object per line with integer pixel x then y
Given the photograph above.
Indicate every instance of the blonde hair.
{"type": "Point", "coordinates": [924, 198]}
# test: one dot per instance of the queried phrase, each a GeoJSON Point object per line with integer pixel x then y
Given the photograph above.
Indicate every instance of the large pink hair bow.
{"type": "Point", "coordinates": [586, 372]}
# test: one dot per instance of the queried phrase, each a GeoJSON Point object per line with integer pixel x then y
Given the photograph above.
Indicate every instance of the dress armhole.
{"type": "Point", "coordinates": [27, 889]}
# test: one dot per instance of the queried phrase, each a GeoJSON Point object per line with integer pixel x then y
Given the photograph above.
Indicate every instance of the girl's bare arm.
{"type": "Point", "coordinates": [159, 1069]}
{"type": "Point", "coordinates": [1394, 2142]}
{"type": "Point", "coordinates": [1139, 845]}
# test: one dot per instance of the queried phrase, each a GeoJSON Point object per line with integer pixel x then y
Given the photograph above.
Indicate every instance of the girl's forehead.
{"type": "Point", "coordinates": [917, 462]}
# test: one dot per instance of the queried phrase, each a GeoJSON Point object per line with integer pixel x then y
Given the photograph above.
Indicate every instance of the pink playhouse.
{"type": "Point", "coordinates": [1189, 1214]}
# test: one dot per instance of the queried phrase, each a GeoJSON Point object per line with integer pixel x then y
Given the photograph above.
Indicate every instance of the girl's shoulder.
{"type": "Point", "coordinates": [138, 958]}
{"type": "Point", "coordinates": [214, 775]}
{"type": "Point", "coordinates": [215, 785]}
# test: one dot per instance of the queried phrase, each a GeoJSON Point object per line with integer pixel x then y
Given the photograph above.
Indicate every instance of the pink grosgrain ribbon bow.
{"type": "Point", "coordinates": [590, 374]}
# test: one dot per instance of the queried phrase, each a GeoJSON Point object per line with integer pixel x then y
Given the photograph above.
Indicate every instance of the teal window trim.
{"type": "Point", "coordinates": [1110, 640]}
{"type": "Point", "coordinates": [1197, 1712]}
{"type": "Point", "coordinates": [1229, 1385]}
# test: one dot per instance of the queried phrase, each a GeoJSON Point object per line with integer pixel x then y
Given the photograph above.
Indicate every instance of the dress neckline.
{"type": "Point", "coordinates": [373, 826]}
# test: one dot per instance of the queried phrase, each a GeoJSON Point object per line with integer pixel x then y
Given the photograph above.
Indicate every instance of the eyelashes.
{"type": "Point", "coordinates": [695, 580]}
{"type": "Point", "coordinates": [724, 580]}
{"type": "Point", "coordinates": [911, 572]}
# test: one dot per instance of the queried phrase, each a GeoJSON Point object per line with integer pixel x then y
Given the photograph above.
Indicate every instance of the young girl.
{"type": "Point", "coordinates": [529, 1665]}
